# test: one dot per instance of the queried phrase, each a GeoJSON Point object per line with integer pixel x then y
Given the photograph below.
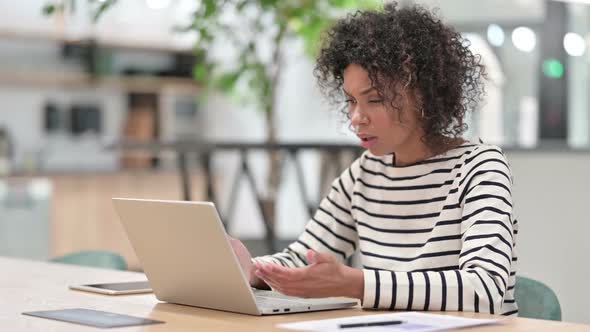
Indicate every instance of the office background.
{"type": "Point", "coordinates": [56, 123]}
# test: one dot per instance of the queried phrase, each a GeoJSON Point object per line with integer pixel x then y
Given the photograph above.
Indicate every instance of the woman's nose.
{"type": "Point", "coordinates": [358, 118]}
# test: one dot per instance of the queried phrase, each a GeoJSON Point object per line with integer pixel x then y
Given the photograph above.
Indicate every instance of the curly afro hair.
{"type": "Point", "coordinates": [407, 48]}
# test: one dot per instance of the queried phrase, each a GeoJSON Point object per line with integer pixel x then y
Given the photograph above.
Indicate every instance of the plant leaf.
{"type": "Point", "coordinates": [49, 9]}
{"type": "Point", "coordinates": [227, 81]}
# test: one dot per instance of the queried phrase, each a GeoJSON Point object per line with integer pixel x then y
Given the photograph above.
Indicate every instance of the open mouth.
{"type": "Point", "coordinates": [368, 141]}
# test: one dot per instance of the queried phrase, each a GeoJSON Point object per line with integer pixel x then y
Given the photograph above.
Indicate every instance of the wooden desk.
{"type": "Point", "coordinates": [32, 286]}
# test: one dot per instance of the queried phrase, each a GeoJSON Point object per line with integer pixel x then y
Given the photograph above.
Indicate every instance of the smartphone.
{"type": "Point", "coordinates": [116, 288]}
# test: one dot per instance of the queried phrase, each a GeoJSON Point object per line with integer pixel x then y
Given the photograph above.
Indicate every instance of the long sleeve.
{"type": "Point", "coordinates": [480, 281]}
{"type": "Point", "coordinates": [332, 229]}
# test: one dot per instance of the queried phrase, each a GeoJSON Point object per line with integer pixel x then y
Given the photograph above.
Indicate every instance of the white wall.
{"type": "Point", "coordinates": [552, 195]}
{"type": "Point", "coordinates": [577, 75]}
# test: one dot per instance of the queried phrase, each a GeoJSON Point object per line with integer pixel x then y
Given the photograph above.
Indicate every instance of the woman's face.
{"type": "Point", "coordinates": [381, 129]}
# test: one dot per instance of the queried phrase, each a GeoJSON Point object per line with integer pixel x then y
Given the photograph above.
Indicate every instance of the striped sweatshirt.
{"type": "Point", "coordinates": [435, 235]}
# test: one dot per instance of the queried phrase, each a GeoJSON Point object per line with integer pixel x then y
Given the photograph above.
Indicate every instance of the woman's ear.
{"type": "Point", "coordinates": [419, 103]}
{"type": "Point", "coordinates": [412, 104]}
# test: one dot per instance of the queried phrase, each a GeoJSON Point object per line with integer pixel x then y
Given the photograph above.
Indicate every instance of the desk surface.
{"type": "Point", "coordinates": [31, 286]}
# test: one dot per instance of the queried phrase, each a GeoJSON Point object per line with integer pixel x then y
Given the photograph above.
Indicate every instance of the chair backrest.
{"type": "Point", "coordinates": [536, 300]}
{"type": "Point", "coordinates": [94, 258]}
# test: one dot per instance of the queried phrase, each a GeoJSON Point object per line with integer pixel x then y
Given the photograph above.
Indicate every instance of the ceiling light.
{"type": "Point", "coordinates": [574, 44]}
{"type": "Point", "coordinates": [495, 35]}
{"type": "Point", "coordinates": [524, 39]}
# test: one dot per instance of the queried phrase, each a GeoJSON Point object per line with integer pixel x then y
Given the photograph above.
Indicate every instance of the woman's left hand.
{"type": "Point", "coordinates": [323, 277]}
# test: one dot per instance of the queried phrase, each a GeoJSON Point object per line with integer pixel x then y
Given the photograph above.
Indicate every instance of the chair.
{"type": "Point", "coordinates": [94, 258]}
{"type": "Point", "coordinates": [536, 300]}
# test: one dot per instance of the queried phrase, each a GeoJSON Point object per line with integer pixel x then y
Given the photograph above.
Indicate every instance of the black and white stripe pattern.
{"type": "Point", "coordinates": [436, 235]}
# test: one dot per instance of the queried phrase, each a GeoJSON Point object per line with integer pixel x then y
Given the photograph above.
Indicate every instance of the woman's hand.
{"type": "Point", "coordinates": [323, 277]}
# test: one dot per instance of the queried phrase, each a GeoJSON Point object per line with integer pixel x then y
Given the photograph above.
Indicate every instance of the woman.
{"type": "Point", "coordinates": [430, 213]}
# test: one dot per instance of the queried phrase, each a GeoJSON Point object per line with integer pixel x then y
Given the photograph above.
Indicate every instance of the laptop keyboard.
{"type": "Point", "coordinates": [271, 294]}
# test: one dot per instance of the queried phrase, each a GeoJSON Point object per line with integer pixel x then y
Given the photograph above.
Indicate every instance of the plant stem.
{"type": "Point", "coordinates": [270, 113]}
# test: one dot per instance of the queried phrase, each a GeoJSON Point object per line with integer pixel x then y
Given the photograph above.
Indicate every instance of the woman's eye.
{"type": "Point", "coordinates": [350, 101]}
{"type": "Point", "coordinates": [376, 101]}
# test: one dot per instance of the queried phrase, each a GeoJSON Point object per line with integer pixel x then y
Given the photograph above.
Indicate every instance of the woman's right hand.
{"type": "Point", "coordinates": [245, 260]}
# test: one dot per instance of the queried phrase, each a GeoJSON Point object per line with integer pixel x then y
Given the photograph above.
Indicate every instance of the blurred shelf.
{"type": "Point", "coordinates": [130, 83]}
{"type": "Point", "coordinates": [58, 37]}
{"type": "Point", "coordinates": [141, 84]}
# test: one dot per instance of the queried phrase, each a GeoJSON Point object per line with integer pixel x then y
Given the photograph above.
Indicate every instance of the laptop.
{"type": "Point", "coordinates": [188, 260]}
